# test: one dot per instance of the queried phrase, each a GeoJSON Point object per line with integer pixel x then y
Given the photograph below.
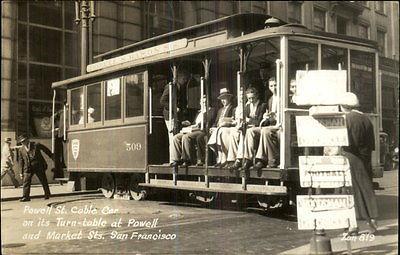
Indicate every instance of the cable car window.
{"type": "Point", "coordinates": [77, 106]}
{"type": "Point", "coordinates": [302, 56]}
{"type": "Point", "coordinates": [94, 103]}
{"type": "Point", "coordinates": [134, 95]}
{"type": "Point", "coordinates": [113, 99]}
{"type": "Point", "coordinates": [332, 57]}
{"type": "Point", "coordinates": [363, 79]}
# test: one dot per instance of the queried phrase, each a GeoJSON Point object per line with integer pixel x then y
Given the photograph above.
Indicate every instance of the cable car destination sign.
{"type": "Point", "coordinates": [325, 212]}
{"type": "Point", "coordinates": [324, 171]}
{"type": "Point", "coordinates": [140, 54]}
{"type": "Point", "coordinates": [322, 131]}
{"type": "Point", "coordinates": [325, 126]}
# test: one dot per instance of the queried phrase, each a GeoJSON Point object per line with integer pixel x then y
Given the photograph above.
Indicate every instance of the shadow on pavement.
{"type": "Point", "coordinates": [390, 203]}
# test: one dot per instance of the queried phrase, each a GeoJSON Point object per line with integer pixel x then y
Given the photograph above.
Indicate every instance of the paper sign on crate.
{"type": "Point", "coordinates": [324, 171]}
{"type": "Point", "coordinates": [326, 212]}
{"type": "Point", "coordinates": [320, 87]}
{"type": "Point", "coordinates": [324, 131]}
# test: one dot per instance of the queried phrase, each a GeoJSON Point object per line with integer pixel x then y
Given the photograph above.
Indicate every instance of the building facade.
{"type": "Point", "coordinates": [41, 44]}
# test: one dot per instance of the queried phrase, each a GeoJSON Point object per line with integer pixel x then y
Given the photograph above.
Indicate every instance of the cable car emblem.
{"type": "Point", "coordinates": [75, 148]}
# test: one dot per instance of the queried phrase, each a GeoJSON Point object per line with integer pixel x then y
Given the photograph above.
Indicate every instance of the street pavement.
{"type": "Point", "coordinates": [197, 230]}
{"type": "Point", "coordinates": [9, 193]}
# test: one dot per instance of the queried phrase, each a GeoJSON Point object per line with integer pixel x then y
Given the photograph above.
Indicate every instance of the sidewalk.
{"type": "Point", "coordinates": [384, 241]}
{"type": "Point", "coordinates": [9, 193]}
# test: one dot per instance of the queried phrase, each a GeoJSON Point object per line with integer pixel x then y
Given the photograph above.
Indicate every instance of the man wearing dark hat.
{"type": "Point", "coordinates": [7, 162]}
{"type": "Point", "coordinates": [31, 162]}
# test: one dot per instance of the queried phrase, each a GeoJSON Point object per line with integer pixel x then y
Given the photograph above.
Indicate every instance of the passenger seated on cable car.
{"type": "Point", "coordinates": [268, 147]}
{"type": "Point", "coordinates": [252, 136]}
{"type": "Point", "coordinates": [189, 145]}
{"type": "Point", "coordinates": [219, 138]}
{"type": "Point", "coordinates": [231, 133]}
{"type": "Point", "coordinates": [90, 118]}
{"type": "Point", "coordinates": [292, 92]}
{"type": "Point", "coordinates": [253, 112]}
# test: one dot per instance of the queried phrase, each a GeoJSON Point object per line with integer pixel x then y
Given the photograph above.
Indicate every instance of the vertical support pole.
{"type": "Point", "coordinates": [52, 121]}
{"type": "Point", "coordinates": [242, 71]}
{"type": "Point", "coordinates": [150, 111]}
{"type": "Point", "coordinates": [205, 89]}
{"type": "Point", "coordinates": [171, 124]}
{"type": "Point", "coordinates": [64, 122]}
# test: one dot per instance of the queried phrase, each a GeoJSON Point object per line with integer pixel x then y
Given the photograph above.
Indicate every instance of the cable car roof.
{"type": "Point", "coordinates": [252, 26]}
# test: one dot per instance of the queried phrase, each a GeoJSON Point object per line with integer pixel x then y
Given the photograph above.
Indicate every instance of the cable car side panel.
{"type": "Point", "coordinates": [119, 149]}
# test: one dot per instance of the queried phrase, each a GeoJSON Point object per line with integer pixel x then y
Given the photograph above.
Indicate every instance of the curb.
{"type": "Point", "coordinates": [54, 195]}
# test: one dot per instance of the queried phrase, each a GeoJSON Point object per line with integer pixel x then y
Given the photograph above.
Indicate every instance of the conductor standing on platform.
{"type": "Point", "coordinates": [31, 162]}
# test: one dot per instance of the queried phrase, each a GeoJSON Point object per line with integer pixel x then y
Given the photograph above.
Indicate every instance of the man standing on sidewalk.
{"type": "Point", "coordinates": [7, 162]}
{"type": "Point", "coordinates": [31, 162]}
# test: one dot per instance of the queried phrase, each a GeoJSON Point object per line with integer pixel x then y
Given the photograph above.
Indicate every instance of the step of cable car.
{"type": "Point", "coordinates": [217, 187]}
{"type": "Point", "coordinates": [266, 173]}
{"type": "Point", "coordinates": [64, 179]}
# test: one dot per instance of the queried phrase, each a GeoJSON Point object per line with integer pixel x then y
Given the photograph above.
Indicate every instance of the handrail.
{"type": "Point", "coordinates": [150, 111]}
{"type": "Point", "coordinates": [52, 121]}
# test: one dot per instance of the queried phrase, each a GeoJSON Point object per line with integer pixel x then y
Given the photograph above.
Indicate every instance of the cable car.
{"type": "Point", "coordinates": [116, 129]}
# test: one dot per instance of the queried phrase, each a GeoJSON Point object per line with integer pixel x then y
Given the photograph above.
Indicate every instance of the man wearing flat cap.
{"type": "Point", "coordinates": [31, 162]}
{"type": "Point", "coordinates": [7, 162]}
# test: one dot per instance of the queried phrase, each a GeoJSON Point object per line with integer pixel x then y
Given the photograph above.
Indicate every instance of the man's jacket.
{"type": "Point", "coordinates": [32, 160]}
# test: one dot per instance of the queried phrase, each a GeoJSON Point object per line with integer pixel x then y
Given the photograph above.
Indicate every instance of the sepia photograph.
{"type": "Point", "coordinates": [199, 127]}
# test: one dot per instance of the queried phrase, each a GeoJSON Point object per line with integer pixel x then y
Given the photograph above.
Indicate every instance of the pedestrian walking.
{"type": "Point", "coordinates": [7, 162]}
{"type": "Point", "coordinates": [31, 162]}
{"type": "Point", "coordinates": [361, 145]}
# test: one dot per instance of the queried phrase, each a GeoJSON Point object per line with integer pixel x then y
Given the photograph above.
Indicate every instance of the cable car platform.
{"type": "Point", "coordinates": [290, 174]}
{"type": "Point", "coordinates": [215, 179]}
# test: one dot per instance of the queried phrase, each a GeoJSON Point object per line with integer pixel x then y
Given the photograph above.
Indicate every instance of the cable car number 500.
{"type": "Point", "coordinates": [133, 146]}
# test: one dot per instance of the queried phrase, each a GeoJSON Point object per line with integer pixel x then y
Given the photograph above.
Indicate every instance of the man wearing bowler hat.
{"type": "Point", "coordinates": [31, 162]}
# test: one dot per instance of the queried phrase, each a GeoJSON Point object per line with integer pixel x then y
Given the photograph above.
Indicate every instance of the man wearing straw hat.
{"type": "Point", "coordinates": [31, 162]}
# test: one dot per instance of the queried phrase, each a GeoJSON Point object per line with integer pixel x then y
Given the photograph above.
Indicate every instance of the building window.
{"type": "Point", "coordinates": [47, 45]}
{"type": "Point", "coordinates": [363, 31]}
{"type": "Point", "coordinates": [163, 17]}
{"type": "Point", "coordinates": [341, 25]}
{"type": "Point", "coordinates": [380, 6]}
{"type": "Point", "coordinates": [294, 12]}
{"type": "Point", "coordinates": [381, 38]}
{"type": "Point", "coordinates": [319, 19]}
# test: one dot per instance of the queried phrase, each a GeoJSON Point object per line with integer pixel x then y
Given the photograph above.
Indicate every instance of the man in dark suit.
{"type": "Point", "coordinates": [31, 161]}
{"type": "Point", "coordinates": [183, 79]}
{"type": "Point", "coordinates": [253, 113]}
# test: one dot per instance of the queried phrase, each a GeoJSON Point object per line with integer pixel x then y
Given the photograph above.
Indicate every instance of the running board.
{"type": "Point", "coordinates": [218, 187]}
